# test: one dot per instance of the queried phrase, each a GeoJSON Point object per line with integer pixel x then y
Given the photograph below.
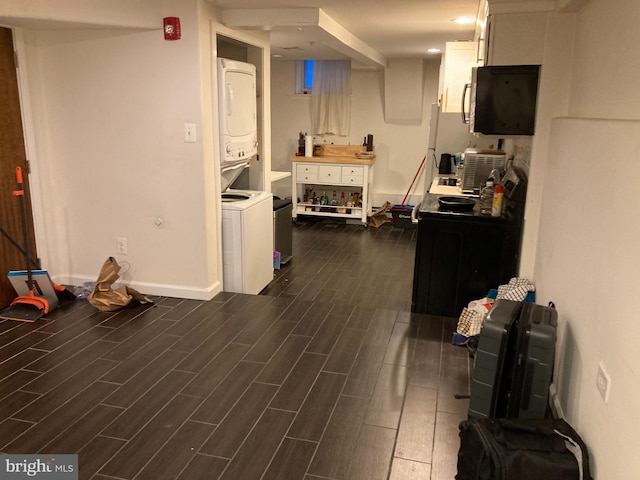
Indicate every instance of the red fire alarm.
{"type": "Point", "coordinates": [171, 28]}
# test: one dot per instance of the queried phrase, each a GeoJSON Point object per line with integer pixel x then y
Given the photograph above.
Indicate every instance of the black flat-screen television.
{"type": "Point", "coordinates": [504, 99]}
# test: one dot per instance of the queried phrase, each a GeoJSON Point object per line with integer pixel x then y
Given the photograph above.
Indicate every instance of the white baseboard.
{"type": "Point", "coordinates": [556, 408]}
{"type": "Point", "coordinates": [162, 290]}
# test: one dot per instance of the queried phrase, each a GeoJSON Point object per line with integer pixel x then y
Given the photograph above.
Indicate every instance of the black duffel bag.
{"type": "Point", "coordinates": [521, 449]}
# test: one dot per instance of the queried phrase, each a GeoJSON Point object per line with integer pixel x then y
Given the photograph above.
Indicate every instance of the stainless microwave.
{"type": "Point", "coordinates": [503, 99]}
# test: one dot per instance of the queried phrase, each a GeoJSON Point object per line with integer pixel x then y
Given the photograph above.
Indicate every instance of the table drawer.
{"type": "Point", "coordinates": [307, 173]}
{"type": "Point", "coordinates": [329, 174]}
{"type": "Point", "coordinates": [352, 171]}
{"type": "Point", "coordinates": [352, 180]}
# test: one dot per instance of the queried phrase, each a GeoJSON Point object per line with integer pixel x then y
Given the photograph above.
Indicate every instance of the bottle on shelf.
{"type": "Point", "coordinates": [486, 197]}
{"type": "Point", "coordinates": [498, 194]}
{"type": "Point", "coordinates": [305, 199]}
{"type": "Point", "coordinates": [342, 204]}
{"type": "Point", "coordinates": [324, 200]}
{"type": "Point", "coordinates": [334, 199]}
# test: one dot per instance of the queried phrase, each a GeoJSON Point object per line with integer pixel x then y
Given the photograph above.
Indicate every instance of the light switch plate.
{"type": "Point", "coordinates": [190, 133]}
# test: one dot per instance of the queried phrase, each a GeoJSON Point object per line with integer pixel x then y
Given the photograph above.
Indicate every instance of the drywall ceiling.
{"type": "Point", "coordinates": [379, 29]}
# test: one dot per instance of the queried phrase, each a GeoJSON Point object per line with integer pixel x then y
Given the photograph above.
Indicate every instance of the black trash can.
{"type": "Point", "coordinates": [282, 239]}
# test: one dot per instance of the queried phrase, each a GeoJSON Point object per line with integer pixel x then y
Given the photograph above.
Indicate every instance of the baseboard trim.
{"type": "Point", "coordinates": [162, 290]}
{"type": "Point", "coordinates": [556, 408]}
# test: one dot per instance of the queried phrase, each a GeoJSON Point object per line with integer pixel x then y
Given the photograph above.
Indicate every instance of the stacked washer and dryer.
{"type": "Point", "coordinates": [247, 215]}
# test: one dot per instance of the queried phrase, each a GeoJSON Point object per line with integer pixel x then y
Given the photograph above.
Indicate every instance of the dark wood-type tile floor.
{"type": "Point", "coordinates": [326, 375]}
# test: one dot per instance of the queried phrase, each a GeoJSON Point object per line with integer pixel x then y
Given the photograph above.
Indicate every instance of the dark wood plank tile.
{"type": "Point", "coordinates": [141, 448]}
{"type": "Point", "coordinates": [258, 322]}
{"type": "Point", "coordinates": [136, 338]}
{"type": "Point", "coordinates": [94, 455]}
{"type": "Point", "coordinates": [10, 384]}
{"type": "Point", "coordinates": [255, 454]}
{"type": "Point", "coordinates": [291, 460]}
{"type": "Point", "coordinates": [372, 456]}
{"type": "Point", "coordinates": [361, 317]}
{"type": "Point", "coordinates": [311, 321]}
{"type": "Point", "coordinates": [208, 379]}
{"type": "Point", "coordinates": [70, 348]}
{"type": "Point", "coordinates": [139, 360]}
{"type": "Point", "coordinates": [128, 393]}
{"type": "Point", "coordinates": [184, 308]}
{"type": "Point", "coordinates": [69, 367]}
{"type": "Point", "coordinates": [82, 431]}
{"type": "Point", "coordinates": [340, 439]}
{"type": "Point", "coordinates": [279, 366]}
{"type": "Point", "coordinates": [327, 335]}
{"type": "Point", "coordinates": [204, 467]}
{"type": "Point", "coordinates": [445, 446]}
{"type": "Point", "coordinates": [230, 434]}
{"type": "Point", "coordinates": [402, 469]}
{"type": "Point", "coordinates": [13, 348]}
{"type": "Point", "coordinates": [364, 373]}
{"type": "Point", "coordinates": [454, 380]}
{"type": "Point", "coordinates": [417, 424]}
{"type": "Point", "coordinates": [53, 420]}
{"type": "Point", "coordinates": [381, 327]}
{"type": "Point", "coordinates": [19, 361]}
{"type": "Point", "coordinates": [294, 390]}
{"type": "Point", "coordinates": [344, 351]}
{"type": "Point", "coordinates": [200, 332]}
{"type": "Point", "coordinates": [10, 429]}
{"type": "Point", "coordinates": [202, 355]}
{"type": "Point", "coordinates": [296, 310]}
{"type": "Point", "coordinates": [401, 344]}
{"type": "Point", "coordinates": [16, 401]}
{"type": "Point", "coordinates": [270, 342]}
{"type": "Point", "coordinates": [176, 454]}
{"type": "Point", "coordinates": [148, 405]}
{"type": "Point", "coordinates": [318, 406]}
{"type": "Point", "coordinates": [388, 397]}
{"type": "Point", "coordinates": [65, 391]}
{"type": "Point", "coordinates": [216, 406]}
{"type": "Point", "coordinates": [425, 364]}
{"type": "Point", "coordinates": [120, 317]}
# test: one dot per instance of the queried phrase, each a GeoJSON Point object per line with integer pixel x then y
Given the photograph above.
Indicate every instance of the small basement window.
{"type": "Point", "coordinates": [303, 77]}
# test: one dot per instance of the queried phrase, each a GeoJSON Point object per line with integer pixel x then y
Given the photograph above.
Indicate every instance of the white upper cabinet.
{"type": "Point", "coordinates": [458, 60]}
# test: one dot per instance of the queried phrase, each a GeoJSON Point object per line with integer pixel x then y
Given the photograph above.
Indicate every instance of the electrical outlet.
{"type": "Point", "coordinates": [121, 246]}
{"type": "Point", "coordinates": [603, 382]}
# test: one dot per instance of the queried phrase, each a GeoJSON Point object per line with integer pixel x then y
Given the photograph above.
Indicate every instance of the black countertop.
{"type": "Point", "coordinates": [429, 207]}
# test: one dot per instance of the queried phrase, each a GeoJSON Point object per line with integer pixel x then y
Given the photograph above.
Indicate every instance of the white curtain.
{"type": "Point", "coordinates": [331, 98]}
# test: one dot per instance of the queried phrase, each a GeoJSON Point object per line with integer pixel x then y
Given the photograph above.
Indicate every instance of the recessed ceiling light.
{"type": "Point", "coordinates": [276, 55]}
{"type": "Point", "coordinates": [433, 50]}
{"type": "Point", "coordinates": [463, 20]}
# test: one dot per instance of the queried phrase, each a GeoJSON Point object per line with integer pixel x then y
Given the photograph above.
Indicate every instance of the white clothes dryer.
{"type": "Point", "coordinates": [247, 240]}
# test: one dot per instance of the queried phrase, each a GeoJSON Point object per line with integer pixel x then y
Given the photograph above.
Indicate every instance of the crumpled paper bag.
{"type": "Point", "coordinates": [105, 298]}
{"type": "Point", "coordinates": [379, 217]}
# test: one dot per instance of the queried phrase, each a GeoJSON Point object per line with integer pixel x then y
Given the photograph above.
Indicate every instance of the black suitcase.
{"type": "Point", "coordinates": [521, 449]}
{"type": "Point", "coordinates": [513, 364]}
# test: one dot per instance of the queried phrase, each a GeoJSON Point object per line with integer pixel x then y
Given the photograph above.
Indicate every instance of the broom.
{"type": "Point", "coordinates": [31, 307]}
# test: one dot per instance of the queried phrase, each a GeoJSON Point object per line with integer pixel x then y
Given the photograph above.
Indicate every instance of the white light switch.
{"type": "Point", "coordinates": [190, 133]}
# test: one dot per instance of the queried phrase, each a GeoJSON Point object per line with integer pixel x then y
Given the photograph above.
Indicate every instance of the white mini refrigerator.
{"type": "Point", "coordinates": [247, 240]}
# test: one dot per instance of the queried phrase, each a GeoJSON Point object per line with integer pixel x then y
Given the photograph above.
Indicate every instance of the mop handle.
{"type": "Point", "coordinates": [414, 179]}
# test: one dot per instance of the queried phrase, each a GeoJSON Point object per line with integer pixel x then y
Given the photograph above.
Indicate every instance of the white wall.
{"type": "Point", "coordinates": [586, 250]}
{"type": "Point", "coordinates": [105, 111]}
{"type": "Point", "coordinates": [399, 148]}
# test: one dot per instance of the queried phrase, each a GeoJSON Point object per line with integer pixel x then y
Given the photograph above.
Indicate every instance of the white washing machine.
{"type": "Point", "coordinates": [247, 240]}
